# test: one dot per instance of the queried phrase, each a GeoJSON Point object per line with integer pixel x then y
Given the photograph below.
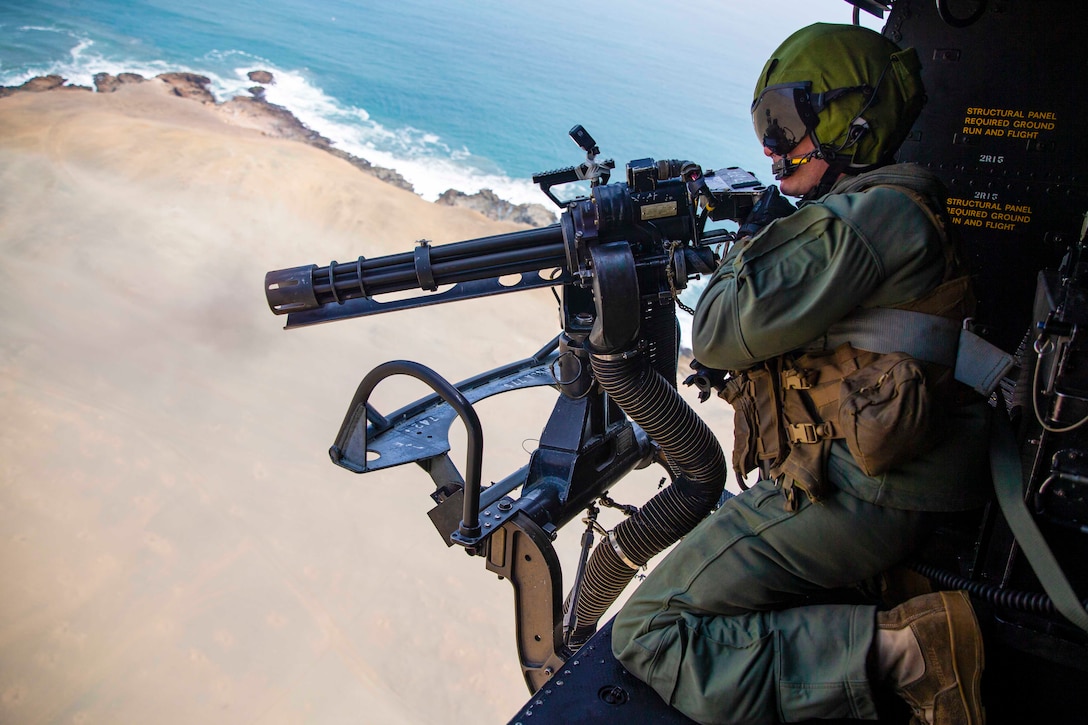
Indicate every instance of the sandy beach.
{"type": "Point", "coordinates": [177, 546]}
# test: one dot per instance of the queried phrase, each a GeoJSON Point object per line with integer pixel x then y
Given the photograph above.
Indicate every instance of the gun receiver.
{"type": "Point", "coordinates": [621, 255]}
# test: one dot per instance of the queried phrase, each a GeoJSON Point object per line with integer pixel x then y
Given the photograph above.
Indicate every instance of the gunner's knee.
{"type": "Point", "coordinates": [638, 623]}
{"type": "Point", "coordinates": [625, 628]}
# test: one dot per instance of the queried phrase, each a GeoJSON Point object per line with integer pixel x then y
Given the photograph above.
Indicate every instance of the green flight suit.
{"type": "Point", "coordinates": [724, 628]}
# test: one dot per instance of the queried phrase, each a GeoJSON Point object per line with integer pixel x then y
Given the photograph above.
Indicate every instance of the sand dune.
{"type": "Point", "coordinates": [178, 547]}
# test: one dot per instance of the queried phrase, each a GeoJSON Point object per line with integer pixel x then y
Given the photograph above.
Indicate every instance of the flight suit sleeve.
{"type": "Point", "coordinates": [785, 286]}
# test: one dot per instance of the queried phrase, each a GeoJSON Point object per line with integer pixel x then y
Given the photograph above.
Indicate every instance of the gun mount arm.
{"type": "Point", "coordinates": [360, 410]}
{"type": "Point", "coordinates": [586, 447]}
{"type": "Point", "coordinates": [368, 441]}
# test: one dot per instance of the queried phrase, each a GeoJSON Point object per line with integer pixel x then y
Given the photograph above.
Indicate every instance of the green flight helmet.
{"type": "Point", "coordinates": [852, 90]}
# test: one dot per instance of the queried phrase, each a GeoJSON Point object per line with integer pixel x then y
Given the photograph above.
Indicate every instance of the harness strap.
{"type": "Point", "coordinates": [926, 337]}
{"type": "Point", "coordinates": [930, 338]}
{"type": "Point", "coordinates": [980, 364]}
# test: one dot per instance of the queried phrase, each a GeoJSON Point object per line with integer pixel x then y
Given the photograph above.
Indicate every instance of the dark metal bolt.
{"type": "Point", "coordinates": [613, 695]}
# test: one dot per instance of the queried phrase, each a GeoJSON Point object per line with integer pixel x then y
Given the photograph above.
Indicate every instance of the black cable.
{"type": "Point", "coordinates": [1030, 602]}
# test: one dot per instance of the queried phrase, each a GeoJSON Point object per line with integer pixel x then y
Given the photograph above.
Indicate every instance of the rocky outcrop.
{"type": "Point", "coordinates": [188, 85]}
{"type": "Point", "coordinates": [389, 176]}
{"type": "Point", "coordinates": [488, 203]}
{"type": "Point", "coordinates": [106, 83]}
{"type": "Point", "coordinates": [260, 76]}
{"type": "Point", "coordinates": [270, 119]}
{"type": "Point", "coordinates": [41, 84]}
{"type": "Point", "coordinates": [185, 85]}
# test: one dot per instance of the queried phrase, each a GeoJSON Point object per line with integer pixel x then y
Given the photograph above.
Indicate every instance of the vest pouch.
{"type": "Point", "coordinates": [885, 411]}
{"type": "Point", "coordinates": [745, 426]}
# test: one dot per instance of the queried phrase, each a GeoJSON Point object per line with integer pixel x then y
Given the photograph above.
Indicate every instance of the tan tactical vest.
{"type": "Point", "coordinates": [789, 409]}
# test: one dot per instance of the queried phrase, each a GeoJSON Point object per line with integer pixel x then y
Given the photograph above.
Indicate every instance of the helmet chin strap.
{"type": "Point", "coordinates": [837, 163]}
{"type": "Point", "coordinates": [831, 175]}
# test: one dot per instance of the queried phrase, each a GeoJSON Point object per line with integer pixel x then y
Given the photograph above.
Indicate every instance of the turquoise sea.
{"type": "Point", "coordinates": [459, 95]}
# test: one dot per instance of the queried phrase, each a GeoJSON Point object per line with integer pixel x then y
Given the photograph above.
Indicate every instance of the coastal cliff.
{"type": "Point", "coordinates": [256, 112]}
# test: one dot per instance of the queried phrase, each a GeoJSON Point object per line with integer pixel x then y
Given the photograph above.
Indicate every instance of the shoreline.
{"type": "Point", "coordinates": [276, 121]}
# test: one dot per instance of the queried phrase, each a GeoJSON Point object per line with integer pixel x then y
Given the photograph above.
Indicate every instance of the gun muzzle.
{"type": "Point", "coordinates": [291, 290]}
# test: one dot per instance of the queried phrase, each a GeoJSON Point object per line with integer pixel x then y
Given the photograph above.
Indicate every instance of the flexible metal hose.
{"type": "Point", "coordinates": [652, 402]}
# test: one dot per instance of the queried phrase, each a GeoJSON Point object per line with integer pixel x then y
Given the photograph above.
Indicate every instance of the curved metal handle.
{"type": "Point", "coordinates": [470, 517]}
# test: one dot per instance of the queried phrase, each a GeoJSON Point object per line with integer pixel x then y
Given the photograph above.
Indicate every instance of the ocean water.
{"type": "Point", "coordinates": [452, 95]}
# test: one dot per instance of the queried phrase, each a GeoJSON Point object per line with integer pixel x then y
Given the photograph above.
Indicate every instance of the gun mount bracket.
{"type": "Point", "coordinates": [419, 433]}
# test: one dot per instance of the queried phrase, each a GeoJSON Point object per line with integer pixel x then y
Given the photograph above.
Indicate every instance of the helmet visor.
{"type": "Point", "coordinates": [783, 115]}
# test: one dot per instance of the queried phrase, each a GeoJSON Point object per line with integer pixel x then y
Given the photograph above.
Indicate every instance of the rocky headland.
{"type": "Point", "coordinates": [488, 203]}
{"type": "Point", "coordinates": [256, 112]}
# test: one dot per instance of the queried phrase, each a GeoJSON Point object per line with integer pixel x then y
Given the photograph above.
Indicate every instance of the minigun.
{"type": "Point", "coordinates": [620, 255]}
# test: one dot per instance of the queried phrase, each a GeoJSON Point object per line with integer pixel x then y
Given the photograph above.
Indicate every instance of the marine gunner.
{"type": "Point", "coordinates": [860, 448]}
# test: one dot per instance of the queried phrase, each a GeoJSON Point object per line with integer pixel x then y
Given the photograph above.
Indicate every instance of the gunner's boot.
{"type": "Point", "coordinates": [930, 650]}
